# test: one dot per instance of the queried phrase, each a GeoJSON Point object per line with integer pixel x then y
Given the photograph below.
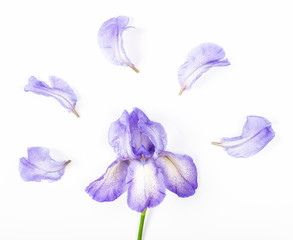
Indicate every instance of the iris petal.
{"type": "Point", "coordinates": [119, 136]}
{"type": "Point", "coordinates": [199, 60]}
{"type": "Point", "coordinates": [180, 174]}
{"type": "Point", "coordinates": [40, 166]}
{"type": "Point", "coordinates": [111, 184]}
{"type": "Point", "coordinates": [142, 127]}
{"type": "Point", "coordinates": [145, 185]}
{"type": "Point", "coordinates": [256, 134]}
{"type": "Point", "coordinates": [60, 90]}
{"type": "Point", "coordinates": [111, 41]}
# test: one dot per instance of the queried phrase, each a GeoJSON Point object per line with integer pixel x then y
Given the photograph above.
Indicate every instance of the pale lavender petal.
{"type": "Point", "coordinates": [111, 184]}
{"type": "Point", "coordinates": [60, 90]}
{"type": "Point", "coordinates": [146, 133]}
{"type": "Point", "coordinates": [119, 136]}
{"type": "Point", "coordinates": [256, 134]}
{"type": "Point", "coordinates": [40, 166]}
{"type": "Point", "coordinates": [62, 86]}
{"type": "Point", "coordinates": [111, 41]}
{"type": "Point", "coordinates": [145, 185]}
{"type": "Point", "coordinates": [199, 60]}
{"type": "Point", "coordinates": [141, 144]}
{"type": "Point", "coordinates": [180, 174]}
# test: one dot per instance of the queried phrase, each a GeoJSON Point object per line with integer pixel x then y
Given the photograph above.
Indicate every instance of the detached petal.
{"type": "Point", "coordinates": [148, 133]}
{"type": "Point", "coordinates": [111, 42]}
{"type": "Point", "coordinates": [256, 134]}
{"type": "Point", "coordinates": [119, 136]}
{"type": "Point", "coordinates": [180, 174]}
{"type": "Point", "coordinates": [39, 165]}
{"type": "Point", "coordinates": [60, 90]}
{"type": "Point", "coordinates": [146, 187]}
{"type": "Point", "coordinates": [199, 60]}
{"type": "Point", "coordinates": [111, 184]}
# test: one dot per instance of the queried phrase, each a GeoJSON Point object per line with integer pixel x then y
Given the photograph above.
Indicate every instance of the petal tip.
{"type": "Point", "coordinates": [181, 90]}
{"type": "Point", "coordinates": [217, 144]}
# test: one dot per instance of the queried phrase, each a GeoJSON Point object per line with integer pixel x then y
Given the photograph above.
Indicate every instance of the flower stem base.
{"type": "Point", "coordinates": [132, 67]}
{"type": "Point", "coordinates": [75, 112]}
{"type": "Point", "coordinates": [181, 90]}
{"type": "Point", "coordinates": [142, 217]}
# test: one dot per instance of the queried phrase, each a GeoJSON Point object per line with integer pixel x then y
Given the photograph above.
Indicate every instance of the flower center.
{"type": "Point", "coordinates": [143, 147]}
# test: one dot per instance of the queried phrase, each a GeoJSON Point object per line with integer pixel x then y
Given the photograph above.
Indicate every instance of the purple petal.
{"type": "Point", "coordinates": [146, 187]}
{"type": "Point", "coordinates": [180, 174]}
{"type": "Point", "coordinates": [256, 134]}
{"type": "Point", "coordinates": [119, 136]}
{"type": "Point", "coordinates": [60, 90]}
{"type": "Point", "coordinates": [111, 42]}
{"type": "Point", "coordinates": [147, 133]}
{"type": "Point", "coordinates": [141, 144]}
{"type": "Point", "coordinates": [111, 184]}
{"type": "Point", "coordinates": [199, 60]}
{"type": "Point", "coordinates": [39, 166]}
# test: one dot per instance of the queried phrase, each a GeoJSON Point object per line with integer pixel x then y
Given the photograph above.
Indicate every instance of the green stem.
{"type": "Point", "coordinates": [141, 225]}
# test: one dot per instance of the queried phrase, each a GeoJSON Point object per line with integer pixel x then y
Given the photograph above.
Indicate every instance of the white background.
{"type": "Point", "coordinates": [236, 199]}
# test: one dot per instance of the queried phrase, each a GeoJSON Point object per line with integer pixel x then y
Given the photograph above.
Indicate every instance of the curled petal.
{"type": "Point", "coordinates": [60, 90]}
{"type": "Point", "coordinates": [180, 174]}
{"type": "Point", "coordinates": [111, 42]}
{"type": "Point", "coordinates": [119, 136]}
{"type": "Point", "coordinates": [145, 185]}
{"type": "Point", "coordinates": [256, 134]}
{"type": "Point", "coordinates": [141, 144]}
{"type": "Point", "coordinates": [39, 166]}
{"type": "Point", "coordinates": [144, 132]}
{"type": "Point", "coordinates": [199, 60]}
{"type": "Point", "coordinates": [111, 184]}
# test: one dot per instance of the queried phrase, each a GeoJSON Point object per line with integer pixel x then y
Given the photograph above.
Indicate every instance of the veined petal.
{"type": "Point", "coordinates": [111, 41]}
{"type": "Point", "coordinates": [145, 185]}
{"type": "Point", "coordinates": [199, 60]}
{"type": "Point", "coordinates": [60, 90]}
{"type": "Point", "coordinates": [148, 133]}
{"type": "Point", "coordinates": [39, 166]}
{"type": "Point", "coordinates": [111, 184]}
{"type": "Point", "coordinates": [119, 137]}
{"type": "Point", "coordinates": [256, 134]}
{"type": "Point", "coordinates": [67, 92]}
{"type": "Point", "coordinates": [141, 144]}
{"type": "Point", "coordinates": [180, 174]}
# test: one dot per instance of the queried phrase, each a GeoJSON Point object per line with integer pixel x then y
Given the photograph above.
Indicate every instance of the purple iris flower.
{"type": "Point", "coordinates": [111, 42]}
{"type": "Point", "coordinates": [143, 167]}
{"type": "Point", "coordinates": [199, 60]}
{"type": "Point", "coordinates": [40, 166]}
{"type": "Point", "coordinates": [60, 90]}
{"type": "Point", "coordinates": [256, 134]}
